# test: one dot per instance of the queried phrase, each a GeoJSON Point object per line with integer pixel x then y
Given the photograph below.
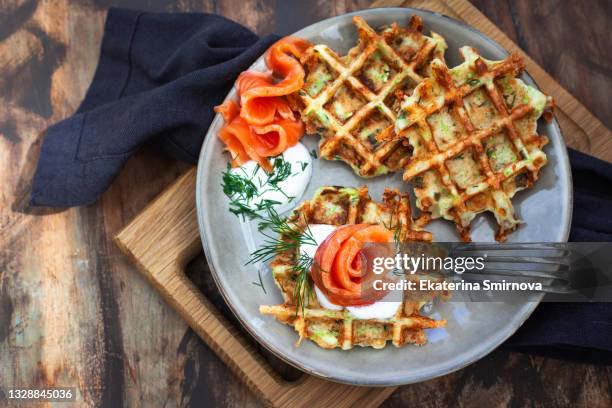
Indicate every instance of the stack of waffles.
{"type": "Point", "coordinates": [465, 137]}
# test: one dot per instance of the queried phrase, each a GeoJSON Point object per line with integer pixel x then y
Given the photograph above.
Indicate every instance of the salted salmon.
{"type": "Point", "coordinates": [246, 142]}
{"type": "Point", "coordinates": [278, 136]}
{"type": "Point", "coordinates": [283, 59]}
{"type": "Point", "coordinates": [263, 125]}
{"type": "Point", "coordinates": [338, 268]}
{"type": "Point", "coordinates": [259, 92]}
{"type": "Point", "coordinates": [228, 109]}
{"type": "Point", "coordinates": [261, 111]}
{"type": "Point", "coordinates": [348, 263]}
{"type": "Point", "coordinates": [243, 144]}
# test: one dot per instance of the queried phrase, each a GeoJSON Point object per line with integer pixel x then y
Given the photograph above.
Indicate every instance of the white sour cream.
{"type": "Point", "coordinates": [319, 232]}
{"type": "Point", "coordinates": [383, 309]}
{"type": "Point", "coordinates": [324, 301]}
{"type": "Point", "coordinates": [293, 186]}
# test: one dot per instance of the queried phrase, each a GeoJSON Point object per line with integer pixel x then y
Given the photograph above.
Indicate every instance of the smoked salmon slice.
{"type": "Point", "coordinates": [348, 261]}
{"type": "Point", "coordinates": [283, 59]}
{"type": "Point", "coordinates": [278, 136]}
{"type": "Point", "coordinates": [246, 142]}
{"type": "Point", "coordinates": [338, 268]}
{"type": "Point", "coordinates": [243, 143]}
{"type": "Point", "coordinates": [228, 109]}
{"type": "Point", "coordinates": [258, 91]}
{"type": "Point", "coordinates": [261, 111]}
{"type": "Point", "coordinates": [229, 134]}
{"type": "Point", "coordinates": [263, 125]}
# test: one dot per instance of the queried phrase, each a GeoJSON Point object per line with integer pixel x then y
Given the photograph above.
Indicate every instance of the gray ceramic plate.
{"type": "Point", "coordinates": [474, 329]}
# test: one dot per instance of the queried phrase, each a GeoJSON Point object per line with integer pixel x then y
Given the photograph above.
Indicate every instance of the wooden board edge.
{"type": "Point", "coordinates": [168, 278]}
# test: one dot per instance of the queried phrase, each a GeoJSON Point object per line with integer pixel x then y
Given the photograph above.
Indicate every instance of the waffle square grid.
{"type": "Point", "coordinates": [473, 134]}
{"type": "Point", "coordinates": [337, 328]}
{"type": "Point", "coordinates": [352, 100]}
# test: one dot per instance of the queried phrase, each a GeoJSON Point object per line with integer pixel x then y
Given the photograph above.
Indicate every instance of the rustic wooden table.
{"type": "Point", "coordinates": [74, 311]}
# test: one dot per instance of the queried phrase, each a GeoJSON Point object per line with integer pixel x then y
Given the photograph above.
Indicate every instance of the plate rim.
{"type": "Point", "coordinates": [525, 311]}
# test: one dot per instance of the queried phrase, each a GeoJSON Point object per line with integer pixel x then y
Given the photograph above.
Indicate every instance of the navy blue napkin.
{"type": "Point", "coordinates": [158, 79]}
{"type": "Point", "coordinates": [578, 331]}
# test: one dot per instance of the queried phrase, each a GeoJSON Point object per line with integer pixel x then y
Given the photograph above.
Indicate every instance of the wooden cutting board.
{"type": "Point", "coordinates": [164, 237]}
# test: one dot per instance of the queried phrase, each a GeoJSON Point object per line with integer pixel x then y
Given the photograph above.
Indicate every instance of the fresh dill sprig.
{"type": "Point", "coordinates": [396, 228]}
{"type": "Point", "coordinates": [288, 237]}
{"type": "Point", "coordinates": [240, 190]}
{"type": "Point", "coordinates": [282, 171]}
{"type": "Point", "coordinates": [245, 195]}
{"type": "Point", "coordinates": [260, 283]}
{"type": "Point", "coordinates": [302, 291]}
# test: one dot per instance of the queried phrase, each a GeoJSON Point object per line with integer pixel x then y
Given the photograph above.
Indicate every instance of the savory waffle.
{"type": "Point", "coordinates": [337, 328]}
{"type": "Point", "coordinates": [472, 132]}
{"type": "Point", "coordinates": [349, 101]}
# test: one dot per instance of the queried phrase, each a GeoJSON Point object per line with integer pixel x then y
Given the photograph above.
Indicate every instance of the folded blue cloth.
{"type": "Point", "coordinates": [158, 79]}
{"type": "Point", "coordinates": [580, 331]}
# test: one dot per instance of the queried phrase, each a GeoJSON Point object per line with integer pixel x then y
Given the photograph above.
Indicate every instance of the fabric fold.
{"type": "Point", "coordinates": [158, 80]}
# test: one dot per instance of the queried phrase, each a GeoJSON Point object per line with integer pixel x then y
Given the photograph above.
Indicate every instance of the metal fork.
{"type": "Point", "coordinates": [559, 269]}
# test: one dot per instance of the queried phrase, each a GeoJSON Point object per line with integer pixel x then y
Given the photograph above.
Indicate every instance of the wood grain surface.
{"type": "Point", "coordinates": [73, 310]}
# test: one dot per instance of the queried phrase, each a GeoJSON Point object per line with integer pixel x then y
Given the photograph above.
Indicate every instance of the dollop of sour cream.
{"type": "Point", "coordinates": [383, 309]}
{"type": "Point", "coordinates": [286, 192]}
{"type": "Point", "coordinates": [319, 232]}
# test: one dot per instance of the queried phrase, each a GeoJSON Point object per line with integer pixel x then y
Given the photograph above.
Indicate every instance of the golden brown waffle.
{"type": "Point", "coordinates": [472, 130]}
{"type": "Point", "coordinates": [333, 328]}
{"type": "Point", "coordinates": [349, 101]}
